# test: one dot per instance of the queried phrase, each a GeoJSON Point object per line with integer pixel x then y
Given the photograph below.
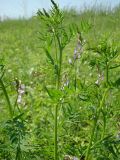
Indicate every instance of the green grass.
{"type": "Point", "coordinates": [89, 114]}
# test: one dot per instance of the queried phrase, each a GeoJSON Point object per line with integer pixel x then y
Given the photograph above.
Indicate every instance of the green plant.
{"type": "Point", "coordinates": [55, 36]}
{"type": "Point", "coordinates": [16, 131]}
{"type": "Point", "coordinates": [5, 92]}
{"type": "Point", "coordinates": [104, 61]}
{"type": "Point", "coordinates": [78, 78]}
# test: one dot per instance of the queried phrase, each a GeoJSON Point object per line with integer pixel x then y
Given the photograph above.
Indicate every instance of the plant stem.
{"type": "Point", "coordinates": [56, 127]}
{"type": "Point", "coordinates": [60, 60]}
{"type": "Point", "coordinates": [58, 84]}
{"type": "Point", "coordinates": [104, 124]}
{"type": "Point", "coordinates": [56, 134]}
{"type": "Point", "coordinates": [75, 83]}
{"type": "Point", "coordinates": [101, 109]}
{"type": "Point", "coordinates": [7, 98]}
{"type": "Point", "coordinates": [107, 74]}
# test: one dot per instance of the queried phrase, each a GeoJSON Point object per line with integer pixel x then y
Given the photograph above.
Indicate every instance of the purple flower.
{"type": "Point", "coordinates": [79, 49]}
{"type": "Point", "coordinates": [75, 54]}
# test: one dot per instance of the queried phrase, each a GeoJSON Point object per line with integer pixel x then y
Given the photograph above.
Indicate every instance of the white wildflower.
{"type": "Point", "coordinates": [70, 61]}
{"type": "Point", "coordinates": [97, 82]}
{"type": "Point", "coordinates": [75, 158]}
{"type": "Point", "coordinates": [21, 91]}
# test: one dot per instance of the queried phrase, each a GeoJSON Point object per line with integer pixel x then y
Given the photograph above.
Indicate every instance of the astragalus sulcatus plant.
{"type": "Point", "coordinates": [55, 38]}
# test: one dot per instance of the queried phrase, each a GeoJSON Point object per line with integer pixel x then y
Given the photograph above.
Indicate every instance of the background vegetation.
{"type": "Point", "coordinates": [89, 112]}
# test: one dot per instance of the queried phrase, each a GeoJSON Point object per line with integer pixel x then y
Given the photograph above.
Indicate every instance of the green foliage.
{"type": "Point", "coordinates": [60, 94]}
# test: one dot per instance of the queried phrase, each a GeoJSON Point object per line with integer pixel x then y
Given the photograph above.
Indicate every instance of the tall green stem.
{"type": "Point", "coordinates": [56, 134]}
{"type": "Point", "coordinates": [56, 126]}
{"type": "Point", "coordinates": [59, 63]}
{"type": "Point", "coordinates": [7, 98]}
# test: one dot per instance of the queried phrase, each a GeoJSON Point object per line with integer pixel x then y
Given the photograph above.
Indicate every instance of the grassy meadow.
{"type": "Point", "coordinates": [60, 86]}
